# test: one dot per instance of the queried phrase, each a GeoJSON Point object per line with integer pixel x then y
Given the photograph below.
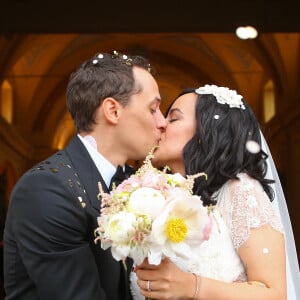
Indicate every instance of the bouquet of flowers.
{"type": "Point", "coordinates": [153, 214]}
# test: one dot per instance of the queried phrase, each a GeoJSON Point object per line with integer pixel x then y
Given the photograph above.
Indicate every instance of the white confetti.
{"type": "Point", "coordinates": [252, 147]}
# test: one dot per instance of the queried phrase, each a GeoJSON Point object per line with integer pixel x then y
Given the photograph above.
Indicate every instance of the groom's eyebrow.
{"type": "Point", "coordinates": [156, 99]}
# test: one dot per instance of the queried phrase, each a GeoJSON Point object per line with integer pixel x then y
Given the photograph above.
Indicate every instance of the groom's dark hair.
{"type": "Point", "coordinates": [102, 76]}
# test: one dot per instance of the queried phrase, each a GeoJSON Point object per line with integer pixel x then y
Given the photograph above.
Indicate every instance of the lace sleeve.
{"type": "Point", "coordinates": [245, 205]}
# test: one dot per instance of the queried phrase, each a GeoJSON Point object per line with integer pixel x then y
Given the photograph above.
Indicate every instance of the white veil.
{"type": "Point", "coordinates": [279, 202]}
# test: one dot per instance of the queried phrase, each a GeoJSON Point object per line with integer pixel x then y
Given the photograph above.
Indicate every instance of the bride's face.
{"type": "Point", "coordinates": [180, 129]}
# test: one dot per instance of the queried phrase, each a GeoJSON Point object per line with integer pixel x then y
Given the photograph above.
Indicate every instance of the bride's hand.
{"type": "Point", "coordinates": [165, 281]}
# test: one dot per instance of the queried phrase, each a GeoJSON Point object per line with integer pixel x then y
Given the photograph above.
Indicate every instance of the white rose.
{"type": "Point", "coordinates": [146, 201]}
{"type": "Point", "coordinates": [120, 227]}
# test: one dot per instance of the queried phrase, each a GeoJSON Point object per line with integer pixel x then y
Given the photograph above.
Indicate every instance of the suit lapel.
{"type": "Point", "coordinates": [86, 170]}
{"type": "Point", "coordinates": [89, 177]}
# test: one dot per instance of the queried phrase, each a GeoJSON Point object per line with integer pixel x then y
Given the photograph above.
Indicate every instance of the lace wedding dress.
{"type": "Point", "coordinates": [241, 205]}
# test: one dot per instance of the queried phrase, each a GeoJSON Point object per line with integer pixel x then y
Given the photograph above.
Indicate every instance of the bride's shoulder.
{"type": "Point", "coordinates": [244, 183]}
{"type": "Point", "coordinates": [244, 192]}
{"type": "Point", "coordinates": [241, 194]}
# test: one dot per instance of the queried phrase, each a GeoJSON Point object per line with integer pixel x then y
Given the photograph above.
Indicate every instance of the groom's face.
{"type": "Point", "coordinates": [142, 121]}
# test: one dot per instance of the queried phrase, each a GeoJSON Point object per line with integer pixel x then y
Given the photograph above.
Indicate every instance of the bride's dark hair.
{"type": "Point", "coordinates": [218, 147]}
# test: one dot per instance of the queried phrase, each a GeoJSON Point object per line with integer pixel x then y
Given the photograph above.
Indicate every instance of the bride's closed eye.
{"type": "Point", "coordinates": [174, 115]}
{"type": "Point", "coordinates": [171, 120]}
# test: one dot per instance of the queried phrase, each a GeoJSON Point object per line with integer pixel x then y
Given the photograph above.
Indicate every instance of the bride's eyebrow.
{"type": "Point", "coordinates": [175, 110]}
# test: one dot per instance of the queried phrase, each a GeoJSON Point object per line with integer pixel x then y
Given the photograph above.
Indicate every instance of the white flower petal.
{"type": "Point", "coordinates": [105, 244]}
{"type": "Point", "coordinates": [120, 252]}
{"type": "Point", "coordinates": [120, 227]}
{"type": "Point", "coordinates": [146, 201]}
{"type": "Point", "coordinates": [138, 255]}
{"type": "Point", "coordinates": [155, 256]}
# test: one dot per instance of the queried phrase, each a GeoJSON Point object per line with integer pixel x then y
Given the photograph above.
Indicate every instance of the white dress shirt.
{"type": "Point", "coordinates": [105, 167]}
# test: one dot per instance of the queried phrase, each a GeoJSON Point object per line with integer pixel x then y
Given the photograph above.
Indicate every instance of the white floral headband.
{"type": "Point", "coordinates": [223, 95]}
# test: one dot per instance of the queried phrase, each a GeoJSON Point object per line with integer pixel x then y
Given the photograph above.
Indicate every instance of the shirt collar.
{"type": "Point", "coordinates": [105, 167]}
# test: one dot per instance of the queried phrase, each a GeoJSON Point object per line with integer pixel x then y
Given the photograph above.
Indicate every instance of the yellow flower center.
{"type": "Point", "coordinates": [176, 230]}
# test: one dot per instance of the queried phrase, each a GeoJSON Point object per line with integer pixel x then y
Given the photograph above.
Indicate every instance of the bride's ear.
{"type": "Point", "coordinates": [111, 110]}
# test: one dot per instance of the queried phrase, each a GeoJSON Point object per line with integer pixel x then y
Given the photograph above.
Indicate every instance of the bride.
{"type": "Point", "coordinates": [212, 129]}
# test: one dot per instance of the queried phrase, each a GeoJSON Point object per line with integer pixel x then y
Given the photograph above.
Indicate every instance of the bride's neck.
{"type": "Point", "coordinates": [178, 168]}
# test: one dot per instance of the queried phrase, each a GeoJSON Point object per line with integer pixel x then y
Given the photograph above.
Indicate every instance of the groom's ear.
{"type": "Point", "coordinates": [111, 109]}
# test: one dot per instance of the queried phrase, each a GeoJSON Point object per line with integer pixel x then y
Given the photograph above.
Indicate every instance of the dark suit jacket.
{"type": "Point", "coordinates": [49, 249]}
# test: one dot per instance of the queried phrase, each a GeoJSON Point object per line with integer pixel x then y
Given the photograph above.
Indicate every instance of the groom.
{"type": "Point", "coordinates": [49, 248]}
